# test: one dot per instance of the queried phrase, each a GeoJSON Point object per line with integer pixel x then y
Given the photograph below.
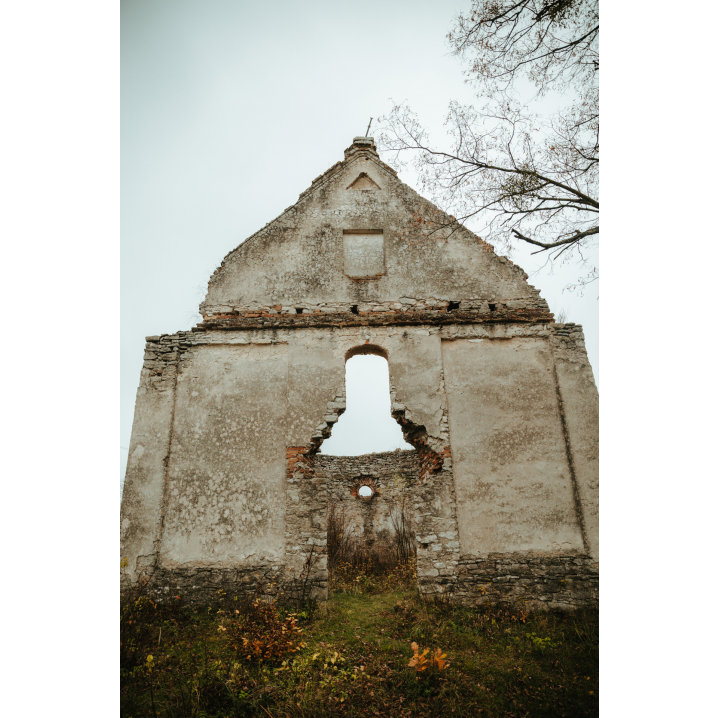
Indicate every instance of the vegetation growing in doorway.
{"type": "Point", "coordinates": [359, 568]}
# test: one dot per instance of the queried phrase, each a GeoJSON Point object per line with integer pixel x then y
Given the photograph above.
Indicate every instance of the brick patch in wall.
{"type": "Point", "coordinates": [428, 317]}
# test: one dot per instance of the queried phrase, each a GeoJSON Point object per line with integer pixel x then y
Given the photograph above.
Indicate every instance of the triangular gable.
{"type": "Point", "coordinates": [313, 254]}
{"type": "Point", "coordinates": [363, 181]}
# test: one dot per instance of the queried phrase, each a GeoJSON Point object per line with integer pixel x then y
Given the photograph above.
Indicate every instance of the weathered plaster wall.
{"type": "Point", "coordinates": [149, 450]}
{"type": "Point", "coordinates": [144, 482]}
{"type": "Point", "coordinates": [579, 402]}
{"type": "Point", "coordinates": [513, 481]}
{"type": "Point", "coordinates": [265, 399]}
{"type": "Point", "coordinates": [316, 384]}
{"type": "Point", "coordinates": [224, 498]}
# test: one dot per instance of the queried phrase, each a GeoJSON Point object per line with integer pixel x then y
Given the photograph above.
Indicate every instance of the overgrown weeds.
{"type": "Point", "coordinates": [493, 661]}
{"type": "Point", "coordinates": [376, 648]}
{"type": "Point", "coordinates": [401, 517]}
{"type": "Point", "coordinates": [375, 571]}
{"type": "Point", "coordinates": [361, 568]}
{"type": "Point", "coordinates": [260, 634]}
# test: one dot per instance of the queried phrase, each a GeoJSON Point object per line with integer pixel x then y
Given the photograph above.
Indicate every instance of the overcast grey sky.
{"type": "Point", "coordinates": [230, 109]}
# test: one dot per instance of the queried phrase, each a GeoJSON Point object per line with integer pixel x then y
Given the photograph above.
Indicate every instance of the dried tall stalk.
{"type": "Point", "coordinates": [351, 559]}
{"type": "Point", "coordinates": [341, 538]}
{"type": "Point", "coordinates": [401, 520]}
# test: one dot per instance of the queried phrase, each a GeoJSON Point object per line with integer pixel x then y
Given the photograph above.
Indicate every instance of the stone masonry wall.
{"type": "Point", "coordinates": [536, 581]}
{"type": "Point", "coordinates": [370, 517]}
{"type": "Point", "coordinates": [428, 479]}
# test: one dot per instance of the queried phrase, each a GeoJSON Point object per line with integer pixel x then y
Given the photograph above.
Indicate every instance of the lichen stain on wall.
{"type": "Point", "coordinates": [226, 474]}
{"type": "Point", "coordinates": [512, 475]}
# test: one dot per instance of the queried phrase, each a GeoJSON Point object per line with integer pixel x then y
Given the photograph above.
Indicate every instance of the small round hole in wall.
{"type": "Point", "coordinates": [365, 492]}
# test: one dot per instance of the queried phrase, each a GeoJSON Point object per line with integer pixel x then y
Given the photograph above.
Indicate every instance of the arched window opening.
{"type": "Point", "coordinates": [367, 426]}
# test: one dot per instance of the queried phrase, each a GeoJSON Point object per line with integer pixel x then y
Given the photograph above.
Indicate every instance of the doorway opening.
{"type": "Point", "coordinates": [371, 473]}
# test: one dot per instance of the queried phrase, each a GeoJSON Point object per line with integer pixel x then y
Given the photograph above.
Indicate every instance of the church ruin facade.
{"type": "Point", "coordinates": [225, 489]}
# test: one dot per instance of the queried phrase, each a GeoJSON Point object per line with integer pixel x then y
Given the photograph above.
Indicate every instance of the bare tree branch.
{"type": "Point", "coordinates": [570, 240]}
{"type": "Point", "coordinates": [529, 178]}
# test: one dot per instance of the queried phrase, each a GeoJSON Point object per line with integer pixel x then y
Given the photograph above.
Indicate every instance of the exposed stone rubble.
{"type": "Point", "coordinates": [387, 473]}
{"type": "Point", "coordinates": [382, 316]}
{"type": "Point", "coordinates": [538, 581]}
{"type": "Point", "coordinates": [482, 308]}
{"type": "Point", "coordinates": [305, 526]}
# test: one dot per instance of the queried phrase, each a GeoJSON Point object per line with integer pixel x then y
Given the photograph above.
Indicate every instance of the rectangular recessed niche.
{"type": "Point", "coordinates": [364, 253]}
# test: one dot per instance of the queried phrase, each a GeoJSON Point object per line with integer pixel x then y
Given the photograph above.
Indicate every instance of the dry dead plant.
{"type": "Point", "coordinates": [358, 567]}
{"type": "Point", "coordinates": [402, 521]}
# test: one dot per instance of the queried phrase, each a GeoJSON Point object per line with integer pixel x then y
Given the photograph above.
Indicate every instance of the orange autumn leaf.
{"type": "Point", "coordinates": [439, 659]}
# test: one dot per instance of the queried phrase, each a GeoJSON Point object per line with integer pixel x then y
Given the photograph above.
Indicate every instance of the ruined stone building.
{"type": "Point", "coordinates": [224, 485]}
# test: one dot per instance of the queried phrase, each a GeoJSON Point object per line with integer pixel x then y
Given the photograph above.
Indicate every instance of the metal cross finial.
{"type": "Point", "coordinates": [368, 126]}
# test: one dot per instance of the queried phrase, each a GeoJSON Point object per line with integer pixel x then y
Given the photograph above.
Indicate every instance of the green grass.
{"type": "Point", "coordinates": [355, 663]}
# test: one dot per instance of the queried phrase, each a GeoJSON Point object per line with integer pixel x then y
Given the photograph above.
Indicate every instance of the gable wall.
{"type": "Point", "coordinates": [224, 487]}
{"type": "Point", "coordinates": [299, 258]}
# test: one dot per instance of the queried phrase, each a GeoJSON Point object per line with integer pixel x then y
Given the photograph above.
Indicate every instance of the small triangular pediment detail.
{"type": "Point", "coordinates": [363, 181]}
